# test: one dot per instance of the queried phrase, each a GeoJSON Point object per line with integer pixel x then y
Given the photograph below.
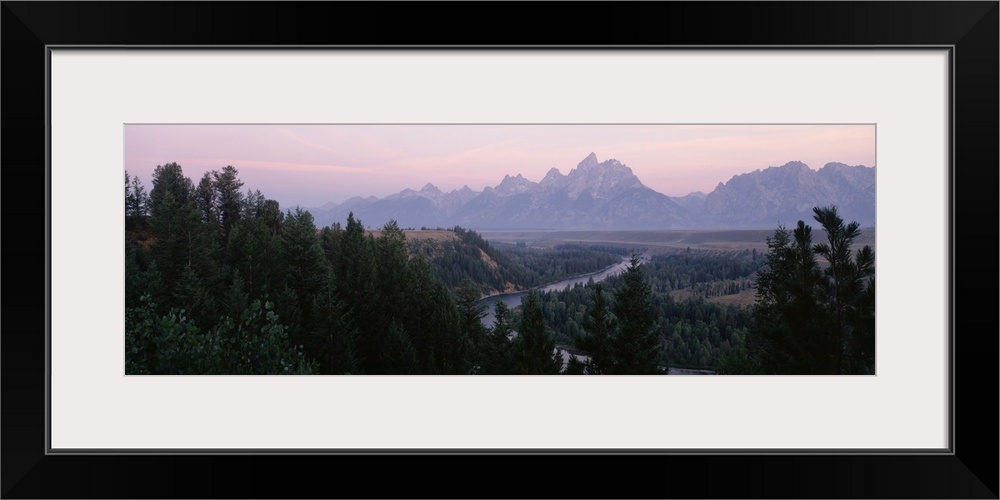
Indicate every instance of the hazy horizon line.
{"type": "Point", "coordinates": [515, 175]}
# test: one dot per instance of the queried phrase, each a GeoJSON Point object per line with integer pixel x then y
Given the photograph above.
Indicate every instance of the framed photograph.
{"type": "Point", "coordinates": [926, 91]}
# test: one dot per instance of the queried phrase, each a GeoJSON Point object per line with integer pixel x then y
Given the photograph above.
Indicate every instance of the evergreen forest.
{"type": "Point", "coordinates": [222, 281]}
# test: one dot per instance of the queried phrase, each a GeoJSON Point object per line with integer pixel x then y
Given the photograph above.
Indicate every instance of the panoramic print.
{"type": "Point", "coordinates": [423, 249]}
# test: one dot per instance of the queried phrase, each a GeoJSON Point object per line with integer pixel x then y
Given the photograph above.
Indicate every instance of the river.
{"type": "Point", "coordinates": [513, 299]}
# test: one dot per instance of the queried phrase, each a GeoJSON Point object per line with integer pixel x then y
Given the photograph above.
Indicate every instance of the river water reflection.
{"type": "Point", "coordinates": [513, 300]}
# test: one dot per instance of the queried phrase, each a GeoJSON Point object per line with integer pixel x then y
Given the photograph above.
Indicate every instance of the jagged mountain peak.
{"type": "Point", "coordinates": [857, 177]}
{"type": "Point", "coordinates": [766, 197]}
{"type": "Point", "coordinates": [608, 194]}
{"type": "Point", "coordinates": [792, 167]}
{"type": "Point", "coordinates": [797, 165]}
{"type": "Point", "coordinates": [553, 178]}
{"type": "Point", "coordinates": [600, 180]}
{"type": "Point", "coordinates": [514, 185]}
{"type": "Point", "coordinates": [588, 162]}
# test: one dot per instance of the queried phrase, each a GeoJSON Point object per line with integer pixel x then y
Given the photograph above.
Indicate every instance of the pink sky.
{"type": "Point", "coordinates": [310, 165]}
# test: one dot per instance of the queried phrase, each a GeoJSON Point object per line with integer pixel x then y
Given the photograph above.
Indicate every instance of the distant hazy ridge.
{"type": "Point", "coordinates": [608, 195]}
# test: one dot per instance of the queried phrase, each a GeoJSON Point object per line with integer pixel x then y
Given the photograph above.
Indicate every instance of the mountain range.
{"type": "Point", "coordinates": [608, 195]}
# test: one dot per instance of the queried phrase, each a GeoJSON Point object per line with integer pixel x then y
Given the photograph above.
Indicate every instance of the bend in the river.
{"type": "Point", "coordinates": [513, 299]}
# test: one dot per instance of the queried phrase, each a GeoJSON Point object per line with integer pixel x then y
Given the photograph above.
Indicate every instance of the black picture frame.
{"type": "Point", "coordinates": [971, 28]}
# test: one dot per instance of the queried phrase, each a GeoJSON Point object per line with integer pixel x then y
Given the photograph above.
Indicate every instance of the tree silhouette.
{"type": "Point", "coordinates": [598, 326]}
{"type": "Point", "coordinates": [534, 344]}
{"type": "Point", "coordinates": [846, 289]}
{"type": "Point", "coordinates": [813, 317]}
{"type": "Point", "coordinates": [635, 343]}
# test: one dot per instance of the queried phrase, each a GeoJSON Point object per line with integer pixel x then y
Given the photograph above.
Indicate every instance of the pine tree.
{"type": "Point", "coordinates": [254, 253]}
{"type": "Point", "coordinates": [844, 288]}
{"type": "Point", "coordinates": [357, 288]}
{"type": "Point", "coordinates": [471, 313]}
{"type": "Point", "coordinates": [393, 258]}
{"type": "Point", "coordinates": [168, 180]}
{"type": "Point", "coordinates": [449, 348]}
{"type": "Point", "coordinates": [497, 361]}
{"type": "Point", "coordinates": [416, 313]}
{"type": "Point", "coordinates": [330, 237]}
{"type": "Point", "coordinates": [813, 320]}
{"type": "Point", "coordinates": [598, 327]}
{"type": "Point", "coordinates": [534, 345]}
{"type": "Point", "coordinates": [306, 268]}
{"type": "Point", "coordinates": [181, 240]}
{"type": "Point", "coordinates": [136, 203]}
{"type": "Point", "coordinates": [333, 342]}
{"type": "Point", "coordinates": [228, 199]}
{"type": "Point", "coordinates": [305, 271]}
{"type": "Point", "coordinates": [635, 343]}
{"type": "Point", "coordinates": [205, 196]}
{"type": "Point", "coordinates": [788, 332]}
